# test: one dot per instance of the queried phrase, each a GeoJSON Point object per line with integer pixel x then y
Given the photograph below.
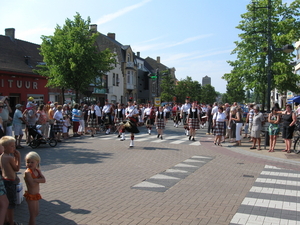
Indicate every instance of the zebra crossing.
{"type": "Point", "coordinates": [163, 181]}
{"type": "Point", "coordinates": [167, 138]}
{"type": "Point", "coordinates": [273, 199]}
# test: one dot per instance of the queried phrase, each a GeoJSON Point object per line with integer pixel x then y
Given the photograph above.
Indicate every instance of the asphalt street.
{"type": "Point", "coordinates": [101, 180]}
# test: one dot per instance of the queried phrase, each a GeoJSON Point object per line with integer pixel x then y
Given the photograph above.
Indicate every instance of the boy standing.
{"type": "Point", "coordinates": [10, 164]}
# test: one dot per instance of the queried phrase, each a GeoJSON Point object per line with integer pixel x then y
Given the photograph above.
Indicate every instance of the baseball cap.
{"type": "Point", "coordinates": [30, 98]}
{"type": "Point", "coordinates": [18, 106]}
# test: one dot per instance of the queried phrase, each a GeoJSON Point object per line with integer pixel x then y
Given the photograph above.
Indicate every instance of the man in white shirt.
{"type": "Point", "coordinates": [184, 113]}
{"type": "Point", "coordinates": [106, 113]}
{"type": "Point", "coordinates": [98, 111]}
{"type": "Point", "coordinates": [149, 116]}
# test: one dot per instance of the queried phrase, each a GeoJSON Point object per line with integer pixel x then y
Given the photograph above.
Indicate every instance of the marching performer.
{"type": "Point", "coordinates": [149, 116]}
{"type": "Point", "coordinates": [193, 120]}
{"type": "Point", "coordinates": [106, 116]}
{"type": "Point", "coordinates": [160, 121]}
{"type": "Point", "coordinates": [118, 119]}
{"type": "Point", "coordinates": [176, 114]}
{"type": "Point", "coordinates": [131, 114]}
{"type": "Point", "coordinates": [184, 113]}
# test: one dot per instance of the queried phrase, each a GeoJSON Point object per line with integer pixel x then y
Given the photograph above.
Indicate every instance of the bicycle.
{"type": "Point", "coordinates": [297, 137]}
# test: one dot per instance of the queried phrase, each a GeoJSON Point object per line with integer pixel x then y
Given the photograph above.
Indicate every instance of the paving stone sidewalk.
{"type": "Point", "coordinates": [89, 181]}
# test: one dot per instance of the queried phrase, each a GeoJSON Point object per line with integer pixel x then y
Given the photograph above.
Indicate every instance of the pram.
{"type": "Point", "coordinates": [38, 139]}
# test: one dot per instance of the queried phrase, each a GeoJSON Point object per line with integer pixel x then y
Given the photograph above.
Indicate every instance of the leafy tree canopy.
{"type": "Point", "coordinates": [249, 70]}
{"type": "Point", "coordinates": [72, 57]}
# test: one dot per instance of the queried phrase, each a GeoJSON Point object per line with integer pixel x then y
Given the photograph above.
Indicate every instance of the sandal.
{"type": "Point", "coordinates": [253, 148]}
{"type": "Point", "coordinates": [284, 150]}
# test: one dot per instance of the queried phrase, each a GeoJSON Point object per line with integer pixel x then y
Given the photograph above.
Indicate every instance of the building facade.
{"type": "Point", "coordinates": [17, 80]}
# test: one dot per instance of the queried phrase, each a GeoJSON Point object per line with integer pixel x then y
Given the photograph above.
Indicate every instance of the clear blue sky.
{"type": "Point", "coordinates": [194, 36]}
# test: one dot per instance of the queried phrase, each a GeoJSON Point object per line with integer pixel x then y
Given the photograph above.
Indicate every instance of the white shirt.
{"type": "Point", "coordinates": [186, 107]}
{"type": "Point", "coordinates": [98, 110]}
{"type": "Point", "coordinates": [219, 117]}
{"type": "Point", "coordinates": [106, 109]}
{"type": "Point", "coordinates": [214, 110]}
{"type": "Point", "coordinates": [130, 111]}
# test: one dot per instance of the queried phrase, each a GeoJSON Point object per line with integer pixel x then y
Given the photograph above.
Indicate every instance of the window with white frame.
{"type": "Point", "coordinates": [117, 80]}
{"type": "Point", "coordinates": [128, 77]}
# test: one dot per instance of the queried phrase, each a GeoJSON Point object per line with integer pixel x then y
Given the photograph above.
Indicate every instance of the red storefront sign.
{"type": "Point", "coordinates": [23, 86]}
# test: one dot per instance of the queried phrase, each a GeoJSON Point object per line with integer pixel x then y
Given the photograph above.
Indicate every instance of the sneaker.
{"type": "Point", "coordinates": [176, 125]}
{"type": "Point", "coordinates": [207, 133]}
{"type": "Point", "coordinates": [161, 137]}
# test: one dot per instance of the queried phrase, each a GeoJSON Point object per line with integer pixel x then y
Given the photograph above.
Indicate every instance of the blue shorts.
{"type": "Point", "coordinates": [2, 187]}
{"type": "Point", "coordinates": [11, 193]}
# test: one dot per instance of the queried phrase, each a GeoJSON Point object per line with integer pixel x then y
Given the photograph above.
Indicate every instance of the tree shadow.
{"type": "Point", "coordinates": [55, 157]}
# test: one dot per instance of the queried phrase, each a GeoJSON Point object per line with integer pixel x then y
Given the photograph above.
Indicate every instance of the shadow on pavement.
{"type": "Point", "coordinates": [52, 158]}
{"type": "Point", "coordinates": [157, 148]}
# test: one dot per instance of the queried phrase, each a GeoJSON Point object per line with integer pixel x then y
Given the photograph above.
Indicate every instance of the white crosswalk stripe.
{"type": "Point", "coordinates": [273, 199]}
{"type": "Point", "coordinates": [142, 137]}
{"type": "Point", "coordinates": [168, 178]}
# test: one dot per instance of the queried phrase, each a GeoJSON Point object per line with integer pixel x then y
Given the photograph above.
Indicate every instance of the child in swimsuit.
{"type": "Point", "coordinates": [33, 177]}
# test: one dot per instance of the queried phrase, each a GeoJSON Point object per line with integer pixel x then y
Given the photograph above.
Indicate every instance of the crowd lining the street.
{"type": "Point", "coordinates": [54, 121]}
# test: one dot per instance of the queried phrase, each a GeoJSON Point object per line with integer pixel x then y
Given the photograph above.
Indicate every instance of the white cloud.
{"type": "Point", "coordinates": [191, 39]}
{"type": "Point", "coordinates": [121, 12]}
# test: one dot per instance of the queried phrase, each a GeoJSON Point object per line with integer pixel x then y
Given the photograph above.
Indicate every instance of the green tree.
{"type": "Point", "coordinates": [72, 57]}
{"type": "Point", "coordinates": [235, 92]}
{"type": "Point", "coordinates": [188, 87]}
{"type": "Point", "coordinates": [167, 85]}
{"type": "Point", "coordinates": [249, 70]}
{"type": "Point", "coordinates": [209, 94]}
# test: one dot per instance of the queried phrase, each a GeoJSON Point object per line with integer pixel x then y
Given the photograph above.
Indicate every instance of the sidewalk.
{"type": "Point", "coordinates": [280, 145]}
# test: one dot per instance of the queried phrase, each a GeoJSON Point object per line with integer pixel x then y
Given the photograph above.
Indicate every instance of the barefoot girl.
{"type": "Point", "coordinates": [33, 177]}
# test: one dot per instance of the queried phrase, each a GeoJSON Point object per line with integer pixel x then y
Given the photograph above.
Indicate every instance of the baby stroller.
{"type": "Point", "coordinates": [38, 138]}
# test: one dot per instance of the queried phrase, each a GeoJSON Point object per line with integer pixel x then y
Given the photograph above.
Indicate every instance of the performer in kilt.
{"type": "Point", "coordinates": [176, 115]}
{"type": "Point", "coordinates": [119, 118]}
{"type": "Point", "coordinates": [219, 125]}
{"type": "Point", "coordinates": [58, 123]}
{"type": "Point", "coordinates": [184, 113]}
{"type": "Point", "coordinates": [193, 120]}
{"type": "Point", "coordinates": [92, 120]}
{"type": "Point", "coordinates": [149, 117]}
{"type": "Point", "coordinates": [131, 114]}
{"type": "Point", "coordinates": [160, 121]}
{"type": "Point", "coordinates": [106, 116]}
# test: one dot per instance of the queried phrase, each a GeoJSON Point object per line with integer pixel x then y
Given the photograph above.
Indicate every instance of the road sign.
{"type": "Point", "coordinates": [157, 101]}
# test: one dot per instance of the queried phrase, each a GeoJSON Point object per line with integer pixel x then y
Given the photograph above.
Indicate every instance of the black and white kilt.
{"type": "Point", "coordinates": [149, 121]}
{"type": "Point", "coordinates": [219, 129]}
{"type": "Point", "coordinates": [107, 119]}
{"type": "Point", "coordinates": [93, 123]}
{"type": "Point", "coordinates": [58, 127]}
{"type": "Point", "coordinates": [160, 124]}
{"type": "Point", "coordinates": [194, 123]}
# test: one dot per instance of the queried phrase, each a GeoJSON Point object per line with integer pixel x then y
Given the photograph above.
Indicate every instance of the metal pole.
{"type": "Point", "coordinates": [269, 67]}
{"type": "Point", "coordinates": [157, 82]}
{"type": "Point", "coordinates": [270, 52]}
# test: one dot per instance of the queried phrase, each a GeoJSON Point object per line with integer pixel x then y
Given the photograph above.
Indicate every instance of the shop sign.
{"type": "Point", "coordinates": [18, 84]}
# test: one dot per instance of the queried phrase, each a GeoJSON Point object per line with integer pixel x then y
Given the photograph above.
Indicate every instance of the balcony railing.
{"type": "Point", "coordinates": [129, 86]}
{"type": "Point", "coordinates": [129, 64]}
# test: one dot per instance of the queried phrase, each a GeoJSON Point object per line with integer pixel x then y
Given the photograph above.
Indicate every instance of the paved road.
{"type": "Point", "coordinates": [171, 181]}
